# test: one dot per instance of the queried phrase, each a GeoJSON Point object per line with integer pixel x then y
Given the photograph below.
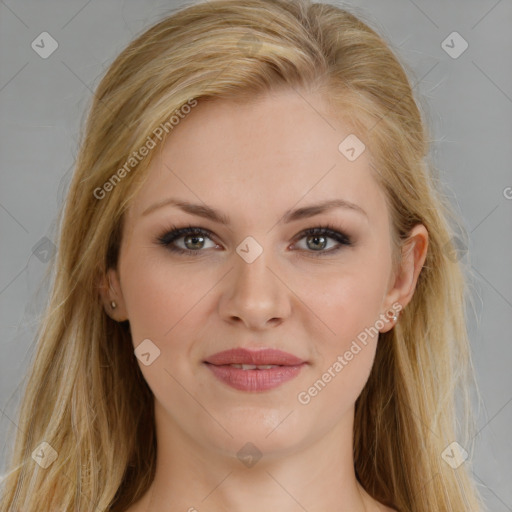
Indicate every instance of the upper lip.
{"type": "Point", "coordinates": [257, 357]}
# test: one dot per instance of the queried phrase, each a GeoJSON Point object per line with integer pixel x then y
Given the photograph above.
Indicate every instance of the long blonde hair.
{"type": "Point", "coordinates": [85, 394]}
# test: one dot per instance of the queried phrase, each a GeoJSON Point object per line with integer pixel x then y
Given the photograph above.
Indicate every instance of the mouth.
{"type": "Point", "coordinates": [252, 366]}
{"type": "Point", "coordinates": [261, 357]}
{"type": "Point", "coordinates": [250, 370]}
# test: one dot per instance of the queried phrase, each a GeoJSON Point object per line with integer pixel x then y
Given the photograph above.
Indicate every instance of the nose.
{"type": "Point", "coordinates": [255, 293]}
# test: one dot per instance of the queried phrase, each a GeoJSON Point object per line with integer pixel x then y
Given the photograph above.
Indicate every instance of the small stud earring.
{"type": "Point", "coordinates": [395, 317]}
{"type": "Point", "coordinates": [113, 304]}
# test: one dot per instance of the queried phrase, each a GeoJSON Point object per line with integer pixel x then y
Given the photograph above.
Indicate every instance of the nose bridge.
{"type": "Point", "coordinates": [253, 276]}
{"type": "Point", "coordinates": [255, 295]}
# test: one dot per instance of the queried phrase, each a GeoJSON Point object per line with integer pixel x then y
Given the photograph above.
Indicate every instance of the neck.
{"type": "Point", "coordinates": [315, 477]}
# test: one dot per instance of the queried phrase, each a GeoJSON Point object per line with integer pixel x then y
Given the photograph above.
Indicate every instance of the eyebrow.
{"type": "Point", "coordinates": [291, 215]}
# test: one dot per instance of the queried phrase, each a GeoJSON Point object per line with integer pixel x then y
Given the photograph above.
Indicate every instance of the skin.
{"type": "Point", "coordinates": [253, 162]}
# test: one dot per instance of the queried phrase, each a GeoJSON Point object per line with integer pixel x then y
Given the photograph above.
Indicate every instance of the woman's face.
{"type": "Point", "coordinates": [253, 279]}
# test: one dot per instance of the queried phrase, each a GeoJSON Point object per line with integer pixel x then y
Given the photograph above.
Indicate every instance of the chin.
{"type": "Point", "coordinates": [272, 431]}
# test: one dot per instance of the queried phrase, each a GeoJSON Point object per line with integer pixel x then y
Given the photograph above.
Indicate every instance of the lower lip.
{"type": "Point", "coordinates": [255, 380]}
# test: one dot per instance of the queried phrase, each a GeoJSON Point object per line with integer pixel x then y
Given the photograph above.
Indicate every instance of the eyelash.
{"type": "Point", "coordinates": [175, 233]}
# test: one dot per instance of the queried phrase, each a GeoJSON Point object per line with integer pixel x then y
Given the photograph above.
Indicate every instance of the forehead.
{"type": "Point", "coordinates": [262, 156]}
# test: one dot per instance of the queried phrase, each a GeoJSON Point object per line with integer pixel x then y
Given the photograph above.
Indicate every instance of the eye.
{"type": "Point", "coordinates": [194, 239]}
{"type": "Point", "coordinates": [317, 240]}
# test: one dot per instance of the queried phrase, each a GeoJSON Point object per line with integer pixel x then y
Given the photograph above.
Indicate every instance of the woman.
{"type": "Point", "coordinates": [255, 305]}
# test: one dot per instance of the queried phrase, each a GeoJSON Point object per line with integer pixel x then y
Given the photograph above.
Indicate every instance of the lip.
{"type": "Point", "coordinates": [258, 357]}
{"type": "Point", "coordinates": [287, 366]}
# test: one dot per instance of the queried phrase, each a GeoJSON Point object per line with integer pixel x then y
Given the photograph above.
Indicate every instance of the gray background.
{"type": "Point", "coordinates": [468, 101]}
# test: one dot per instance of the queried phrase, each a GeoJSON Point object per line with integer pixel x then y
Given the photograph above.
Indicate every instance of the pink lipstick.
{"type": "Point", "coordinates": [254, 370]}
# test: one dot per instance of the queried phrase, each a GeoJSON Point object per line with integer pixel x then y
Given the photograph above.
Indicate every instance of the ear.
{"type": "Point", "coordinates": [404, 280]}
{"type": "Point", "coordinates": [111, 294]}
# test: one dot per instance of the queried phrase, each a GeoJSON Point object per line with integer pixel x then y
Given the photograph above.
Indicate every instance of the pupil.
{"type": "Point", "coordinates": [194, 239]}
{"type": "Point", "coordinates": [316, 238]}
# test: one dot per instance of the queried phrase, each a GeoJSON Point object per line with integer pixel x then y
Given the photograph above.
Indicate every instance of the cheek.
{"type": "Point", "coordinates": [349, 352]}
{"type": "Point", "coordinates": [157, 297]}
{"type": "Point", "coordinates": [350, 305]}
{"type": "Point", "coordinates": [352, 301]}
{"type": "Point", "coordinates": [163, 304]}
{"type": "Point", "coordinates": [344, 358]}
